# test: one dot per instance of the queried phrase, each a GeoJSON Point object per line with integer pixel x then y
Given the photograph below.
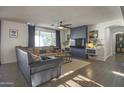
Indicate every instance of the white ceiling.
{"type": "Point", "coordinates": [47, 15]}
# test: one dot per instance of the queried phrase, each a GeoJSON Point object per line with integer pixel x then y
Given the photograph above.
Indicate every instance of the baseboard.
{"type": "Point", "coordinates": [100, 59]}
{"type": "Point", "coordinates": [6, 62]}
{"type": "Point", "coordinates": [107, 57]}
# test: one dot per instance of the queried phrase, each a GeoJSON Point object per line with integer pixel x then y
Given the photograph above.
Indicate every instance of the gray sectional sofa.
{"type": "Point", "coordinates": [38, 72]}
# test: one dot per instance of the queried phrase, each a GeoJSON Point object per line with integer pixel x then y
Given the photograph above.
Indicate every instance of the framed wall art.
{"type": "Point", "coordinates": [13, 33]}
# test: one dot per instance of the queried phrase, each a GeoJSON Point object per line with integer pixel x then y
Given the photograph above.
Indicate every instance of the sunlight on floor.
{"type": "Point", "coordinates": [118, 73]}
{"type": "Point", "coordinates": [63, 75]}
{"type": "Point", "coordinates": [77, 81]}
{"type": "Point", "coordinates": [85, 81]}
{"type": "Point", "coordinates": [66, 74]}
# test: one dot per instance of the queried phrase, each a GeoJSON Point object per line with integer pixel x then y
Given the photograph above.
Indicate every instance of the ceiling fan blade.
{"type": "Point", "coordinates": [67, 27]}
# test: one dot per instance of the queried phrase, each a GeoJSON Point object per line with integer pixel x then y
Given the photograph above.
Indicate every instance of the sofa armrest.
{"type": "Point", "coordinates": [22, 59]}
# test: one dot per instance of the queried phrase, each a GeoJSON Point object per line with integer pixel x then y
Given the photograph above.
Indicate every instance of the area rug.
{"type": "Point", "coordinates": [71, 78]}
{"type": "Point", "coordinates": [74, 65]}
{"type": "Point", "coordinates": [80, 81]}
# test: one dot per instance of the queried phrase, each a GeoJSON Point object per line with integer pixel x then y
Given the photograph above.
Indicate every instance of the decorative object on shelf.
{"type": "Point", "coordinates": [93, 40]}
{"type": "Point", "coordinates": [13, 33]}
{"type": "Point", "coordinates": [94, 43]}
{"type": "Point", "coordinates": [93, 34]}
{"type": "Point", "coordinates": [90, 45]}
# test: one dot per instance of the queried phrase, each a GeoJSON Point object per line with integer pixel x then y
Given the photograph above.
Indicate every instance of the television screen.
{"type": "Point", "coordinates": [78, 42]}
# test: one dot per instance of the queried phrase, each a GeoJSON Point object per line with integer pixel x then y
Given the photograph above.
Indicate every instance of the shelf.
{"type": "Point", "coordinates": [91, 51]}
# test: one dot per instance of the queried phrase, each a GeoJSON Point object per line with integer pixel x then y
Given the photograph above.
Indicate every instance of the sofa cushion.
{"type": "Point", "coordinates": [48, 50]}
{"type": "Point", "coordinates": [35, 51]}
{"type": "Point", "coordinates": [48, 54]}
{"type": "Point", "coordinates": [42, 51]}
{"type": "Point", "coordinates": [36, 58]}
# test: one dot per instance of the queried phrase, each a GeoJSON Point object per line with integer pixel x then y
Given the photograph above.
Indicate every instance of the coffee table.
{"type": "Point", "coordinates": [65, 55]}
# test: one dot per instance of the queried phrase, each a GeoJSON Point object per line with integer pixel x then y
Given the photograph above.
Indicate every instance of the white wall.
{"type": "Point", "coordinates": [63, 36]}
{"type": "Point", "coordinates": [105, 35]}
{"type": "Point", "coordinates": [8, 44]}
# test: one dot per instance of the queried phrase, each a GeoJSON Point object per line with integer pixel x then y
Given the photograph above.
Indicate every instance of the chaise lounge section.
{"type": "Point", "coordinates": [40, 71]}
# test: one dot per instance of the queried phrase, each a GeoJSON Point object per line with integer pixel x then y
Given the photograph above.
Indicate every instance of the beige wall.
{"type": "Point", "coordinates": [8, 44]}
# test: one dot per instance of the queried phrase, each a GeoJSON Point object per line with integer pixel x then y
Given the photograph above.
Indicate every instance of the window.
{"type": "Point", "coordinates": [45, 37]}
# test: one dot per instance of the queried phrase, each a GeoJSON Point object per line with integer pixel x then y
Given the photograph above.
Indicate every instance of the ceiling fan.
{"type": "Point", "coordinates": [62, 26]}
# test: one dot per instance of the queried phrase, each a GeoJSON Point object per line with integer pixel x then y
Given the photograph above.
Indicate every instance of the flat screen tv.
{"type": "Point", "coordinates": [79, 42]}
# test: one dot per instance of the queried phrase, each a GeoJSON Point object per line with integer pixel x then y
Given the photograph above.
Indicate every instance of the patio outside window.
{"type": "Point", "coordinates": [45, 37]}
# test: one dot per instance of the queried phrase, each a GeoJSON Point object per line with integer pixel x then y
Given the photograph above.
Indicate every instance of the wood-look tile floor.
{"type": "Point", "coordinates": [109, 74]}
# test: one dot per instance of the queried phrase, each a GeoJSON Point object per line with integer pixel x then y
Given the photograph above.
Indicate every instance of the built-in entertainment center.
{"type": "Point", "coordinates": [78, 41]}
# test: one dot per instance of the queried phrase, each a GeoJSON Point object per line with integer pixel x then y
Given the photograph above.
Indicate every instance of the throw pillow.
{"type": "Point", "coordinates": [36, 58]}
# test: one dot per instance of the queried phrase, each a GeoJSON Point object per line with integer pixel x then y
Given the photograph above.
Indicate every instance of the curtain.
{"type": "Point", "coordinates": [31, 36]}
{"type": "Point", "coordinates": [58, 40]}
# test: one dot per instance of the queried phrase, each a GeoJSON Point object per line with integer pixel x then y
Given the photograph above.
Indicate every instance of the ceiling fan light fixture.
{"type": "Point", "coordinates": [60, 27]}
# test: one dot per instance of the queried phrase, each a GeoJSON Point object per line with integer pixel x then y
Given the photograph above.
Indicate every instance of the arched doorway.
{"type": "Point", "coordinates": [116, 31]}
{"type": "Point", "coordinates": [119, 43]}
